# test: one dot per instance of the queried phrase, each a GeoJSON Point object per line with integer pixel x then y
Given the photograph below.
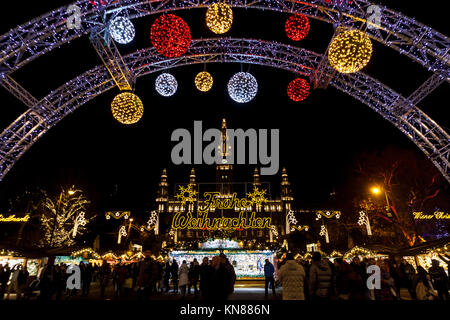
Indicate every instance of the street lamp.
{"type": "Point", "coordinates": [376, 191]}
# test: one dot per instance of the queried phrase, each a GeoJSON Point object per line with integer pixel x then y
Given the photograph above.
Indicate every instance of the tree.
{"type": "Point", "coordinates": [407, 183]}
{"type": "Point", "coordinates": [63, 218]}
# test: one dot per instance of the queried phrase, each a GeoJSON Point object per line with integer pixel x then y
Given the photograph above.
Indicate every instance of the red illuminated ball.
{"type": "Point", "coordinates": [170, 36]}
{"type": "Point", "coordinates": [298, 89]}
{"type": "Point", "coordinates": [297, 27]}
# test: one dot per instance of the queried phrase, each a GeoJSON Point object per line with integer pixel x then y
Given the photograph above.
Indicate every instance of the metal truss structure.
{"type": "Point", "coordinates": [411, 38]}
{"type": "Point", "coordinates": [421, 129]}
{"type": "Point", "coordinates": [43, 34]}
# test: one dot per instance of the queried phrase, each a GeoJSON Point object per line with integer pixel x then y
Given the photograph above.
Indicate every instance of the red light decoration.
{"type": "Point", "coordinates": [297, 27]}
{"type": "Point", "coordinates": [170, 35]}
{"type": "Point", "coordinates": [298, 89]}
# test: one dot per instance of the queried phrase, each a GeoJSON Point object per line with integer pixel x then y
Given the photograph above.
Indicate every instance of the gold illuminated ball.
{"type": "Point", "coordinates": [350, 51]}
{"type": "Point", "coordinates": [127, 108]}
{"type": "Point", "coordinates": [203, 81]}
{"type": "Point", "coordinates": [219, 18]}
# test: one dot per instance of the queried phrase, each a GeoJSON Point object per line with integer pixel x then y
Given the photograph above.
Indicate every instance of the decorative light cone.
{"type": "Point", "coordinates": [297, 27]}
{"type": "Point", "coordinates": [242, 87]}
{"type": "Point", "coordinates": [219, 18]}
{"type": "Point", "coordinates": [127, 108]}
{"type": "Point", "coordinates": [298, 89]}
{"type": "Point", "coordinates": [170, 36]}
{"type": "Point", "coordinates": [166, 84]}
{"type": "Point", "coordinates": [121, 30]}
{"type": "Point", "coordinates": [350, 51]}
{"type": "Point", "coordinates": [203, 81]}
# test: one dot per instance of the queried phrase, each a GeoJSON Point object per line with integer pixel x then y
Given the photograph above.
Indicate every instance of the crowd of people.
{"type": "Point", "coordinates": [211, 280]}
{"type": "Point", "coordinates": [315, 280]}
{"type": "Point", "coordinates": [322, 279]}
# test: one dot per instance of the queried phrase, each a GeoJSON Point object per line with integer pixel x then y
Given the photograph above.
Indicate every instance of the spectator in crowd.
{"type": "Point", "coordinates": [292, 276]}
{"type": "Point", "coordinates": [320, 279]}
{"type": "Point", "coordinates": [183, 275]}
{"type": "Point", "coordinates": [268, 275]}
{"type": "Point", "coordinates": [174, 274]}
{"type": "Point", "coordinates": [440, 279]}
{"type": "Point", "coordinates": [206, 278]}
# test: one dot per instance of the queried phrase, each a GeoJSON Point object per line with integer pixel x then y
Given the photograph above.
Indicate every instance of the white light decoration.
{"type": "Point", "coordinates": [324, 233]}
{"type": "Point", "coordinates": [242, 87]}
{"type": "Point", "coordinates": [121, 30]}
{"type": "Point", "coordinates": [166, 84]}
{"type": "Point", "coordinates": [122, 233]}
{"type": "Point", "coordinates": [364, 220]}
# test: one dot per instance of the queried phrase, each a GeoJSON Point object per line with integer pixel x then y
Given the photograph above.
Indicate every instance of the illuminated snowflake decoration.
{"type": "Point", "coordinates": [274, 230]}
{"type": "Point", "coordinates": [166, 84]}
{"type": "Point", "coordinates": [81, 220]}
{"type": "Point", "coordinates": [186, 194]}
{"type": "Point", "coordinates": [123, 231]}
{"type": "Point", "coordinates": [171, 232]}
{"type": "Point", "coordinates": [153, 220]}
{"type": "Point", "coordinates": [323, 231]}
{"type": "Point", "coordinates": [291, 217]}
{"type": "Point", "coordinates": [362, 218]}
{"type": "Point", "coordinates": [242, 87]}
{"type": "Point", "coordinates": [257, 196]}
{"type": "Point", "coordinates": [121, 30]}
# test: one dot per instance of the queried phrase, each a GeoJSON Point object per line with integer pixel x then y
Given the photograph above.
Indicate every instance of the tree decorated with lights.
{"type": "Point", "coordinates": [63, 218]}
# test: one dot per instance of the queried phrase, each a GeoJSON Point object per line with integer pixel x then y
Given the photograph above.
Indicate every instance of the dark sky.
{"type": "Point", "coordinates": [320, 137]}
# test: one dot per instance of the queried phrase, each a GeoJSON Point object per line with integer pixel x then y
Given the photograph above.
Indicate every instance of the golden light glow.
{"type": "Point", "coordinates": [203, 81]}
{"type": "Point", "coordinates": [219, 18]}
{"type": "Point", "coordinates": [350, 51]}
{"type": "Point", "coordinates": [375, 190]}
{"type": "Point", "coordinates": [127, 108]}
{"type": "Point", "coordinates": [71, 192]}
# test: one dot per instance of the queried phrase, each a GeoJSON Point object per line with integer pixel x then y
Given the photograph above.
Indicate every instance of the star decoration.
{"type": "Point", "coordinates": [186, 194]}
{"type": "Point", "coordinates": [257, 196]}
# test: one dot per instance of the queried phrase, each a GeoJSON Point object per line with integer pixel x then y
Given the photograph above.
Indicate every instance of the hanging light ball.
{"type": "Point", "coordinates": [127, 108]}
{"type": "Point", "coordinates": [203, 81]}
{"type": "Point", "coordinates": [297, 27]}
{"type": "Point", "coordinates": [219, 17]}
{"type": "Point", "coordinates": [242, 87]}
{"type": "Point", "coordinates": [170, 36]}
{"type": "Point", "coordinates": [121, 30]}
{"type": "Point", "coordinates": [298, 89]}
{"type": "Point", "coordinates": [350, 51]}
{"type": "Point", "coordinates": [166, 84]}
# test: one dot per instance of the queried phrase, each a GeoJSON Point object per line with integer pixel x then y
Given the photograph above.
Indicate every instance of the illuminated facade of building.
{"type": "Point", "coordinates": [225, 186]}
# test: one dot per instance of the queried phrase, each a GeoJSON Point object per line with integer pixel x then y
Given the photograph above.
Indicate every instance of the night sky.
{"type": "Point", "coordinates": [119, 166]}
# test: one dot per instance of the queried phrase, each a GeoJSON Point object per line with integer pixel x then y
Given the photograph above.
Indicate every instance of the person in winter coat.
{"type": "Point", "coordinates": [425, 289]}
{"type": "Point", "coordinates": [349, 285]}
{"type": "Point", "coordinates": [174, 273]}
{"type": "Point", "coordinates": [268, 275]}
{"type": "Point", "coordinates": [222, 280]}
{"type": "Point", "coordinates": [440, 280]}
{"type": "Point", "coordinates": [292, 276]}
{"type": "Point", "coordinates": [143, 279]}
{"type": "Point", "coordinates": [14, 284]}
{"type": "Point", "coordinates": [184, 278]}
{"type": "Point", "coordinates": [320, 278]}
{"type": "Point", "coordinates": [206, 278]}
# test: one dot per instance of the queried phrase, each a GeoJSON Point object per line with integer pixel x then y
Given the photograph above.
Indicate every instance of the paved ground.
{"type": "Point", "coordinates": [244, 290]}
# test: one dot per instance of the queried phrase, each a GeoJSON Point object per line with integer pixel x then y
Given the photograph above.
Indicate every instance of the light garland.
{"type": "Point", "coordinates": [127, 108]}
{"type": "Point", "coordinates": [242, 87]}
{"type": "Point", "coordinates": [298, 89]}
{"type": "Point", "coordinates": [219, 18]}
{"type": "Point", "coordinates": [297, 27]}
{"type": "Point", "coordinates": [203, 81]}
{"type": "Point", "coordinates": [350, 51]}
{"type": "Point", "coordinates": [359, 251]}
{"type": "Point", "coordinates": [121, 30]}
{"type": "Point", "coordinates": [170, 35]}
{"type": "Point", "coordinates": [85, 251]}
{"type": "Point", "coordinates": [166, 84]}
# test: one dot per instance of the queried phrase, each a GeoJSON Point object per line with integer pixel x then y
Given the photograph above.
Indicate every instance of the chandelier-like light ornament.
{"type": "Point", "coordinates": [242, 87]}
{"type": "Point", "coordinates": [170, 35]}
{"type": "Point", "coordinates": [127, 108]}
{"type": "Point", "coordinates": [297, 27]}
{"type": "Point", "coordinates": [166, 84]}
{"type": "Point", "coordinates": [298, 89]}
{"type": "Point", "coordinates": [219, 18]}
{"type": "Point", "coordinates": [121, 29]}
{"type": "Point", "coordinates": [350, 51]}
{"type": "Point", "coordinates": [203, 81]}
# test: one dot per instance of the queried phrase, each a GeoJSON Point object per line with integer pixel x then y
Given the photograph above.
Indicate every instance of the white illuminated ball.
{"type": "Point", "coordinates": [242, 87]}
{"type": "Point", "coordinates": [166, 84]}
{"type": "Point", "coordinates": [121, 30]}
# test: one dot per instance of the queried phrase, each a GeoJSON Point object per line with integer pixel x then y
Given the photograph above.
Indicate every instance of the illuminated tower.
{"type": "Point", "coordinates": [286, 193]}
{"type": "Point", "coordinates": [256, 181]}
{"type": "Point", "coordinates": [224, 171]}
{"type": "Point", "coordinates": [163, 194]}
